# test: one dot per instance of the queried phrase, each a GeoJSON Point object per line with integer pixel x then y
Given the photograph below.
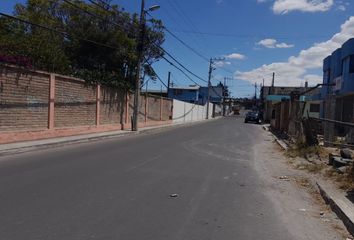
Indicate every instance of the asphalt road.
{"type": "Point", "coordinates": [120, 189]}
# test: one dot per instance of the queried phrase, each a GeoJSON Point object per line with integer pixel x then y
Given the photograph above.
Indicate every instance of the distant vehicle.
{"type": "Point", "coordinates": [253, 116]}
{"type": "Point", "coordinates": [236, 110]}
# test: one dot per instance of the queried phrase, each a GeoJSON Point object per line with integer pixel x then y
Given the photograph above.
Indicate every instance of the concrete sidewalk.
{"type": "Point", "coordinates": [339, 203]}
{"type": "Point", "coordinates": [336, 199]}
{"type": "Point", "coordinates": [21, 147]}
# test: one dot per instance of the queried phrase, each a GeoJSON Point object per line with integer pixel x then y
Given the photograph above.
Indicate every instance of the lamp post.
{"type": "Point", "coordinates": [140, 52]}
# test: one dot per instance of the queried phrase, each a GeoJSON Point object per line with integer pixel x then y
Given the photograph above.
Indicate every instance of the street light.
{"type": "Point", "coordinates": [153, 8]}
{"type": "Point", "coordinates": [140, 49]}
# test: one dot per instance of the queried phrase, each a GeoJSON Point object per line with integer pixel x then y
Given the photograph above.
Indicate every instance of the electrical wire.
{"type": "Point", "coordinates": [186, 45]}
{"type": "Point", "coordinates": [111, 47]}
{"type": "Point", "coordinates": [57, 31]}
{"type": "Point", "coordinates": [180, 64]}
{"type": "Point", "coordinates": [166, 52]}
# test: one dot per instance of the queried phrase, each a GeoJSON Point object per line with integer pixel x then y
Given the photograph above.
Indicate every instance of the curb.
{"type": "Point", "coordinates": [281, 143]}
{"type": "Point", "coordinates": [61, 142]}
{"type": "Point", "coordinates": [342, 207]}
{"type": "Point", "coordinates": [28, 146]}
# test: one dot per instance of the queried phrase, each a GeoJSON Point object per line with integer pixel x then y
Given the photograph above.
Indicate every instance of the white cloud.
{"type": "Point", "coordinates": [284, 45]}
{"type": "Point", "coordinates": [341, 8]}
{"type": "Point", "coordinates": [236, 56]}
{"type": "Point", "coordinates": [222, 63]}
{"type": "Point", "coordinates": [286, 6]}
{"type": "Point", "coordinates": [272, 43]}
{"type": "Point", "coordinates": [298, 68]}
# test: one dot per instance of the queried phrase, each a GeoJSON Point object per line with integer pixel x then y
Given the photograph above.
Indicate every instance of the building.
{"type": "Point", "coordinates": [338, 92]}
{"type": "Point", "coordinates": [197, 94]}
{"type": "Point", "coordinates": [186, 94]}
{"type": "Point", "coordinates": [270, 96]}
{"type": "Point", "coordinates": [215, 93]}
{"type": "Point", "coordinates": [338, 75]}
{"type": "Point", "coordinates": [160, 93]}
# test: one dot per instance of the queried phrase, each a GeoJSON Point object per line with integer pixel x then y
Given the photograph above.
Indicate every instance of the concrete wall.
{"type": "Point", "coordinates": [187, 112]}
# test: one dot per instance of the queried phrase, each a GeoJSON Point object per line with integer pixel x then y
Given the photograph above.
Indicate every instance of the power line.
{"type": "Point", "coordinates": [177, 9]}
{"type": "Point", "coordinates": [58, 31]}
{"type": "Point", "coordinates": [174, 59]}
{"type": "Point", "coordinates": [97, 16]}
{"type": "Point", "coordinates": [179, 69]}
{"type": "Point", "coordinates": [105, 45]}
{"type": "Point", "coordinates": [186, 45]}
{"type": "Point", "coordinates": [249, 35]}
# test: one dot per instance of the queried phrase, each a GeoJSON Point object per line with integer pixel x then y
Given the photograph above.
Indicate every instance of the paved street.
{"type": "Point", "coordinates": [120, 189]}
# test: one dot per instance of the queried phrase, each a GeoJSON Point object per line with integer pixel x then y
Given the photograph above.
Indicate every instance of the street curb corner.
{"type": "Point", "coordinates": [342, 214]}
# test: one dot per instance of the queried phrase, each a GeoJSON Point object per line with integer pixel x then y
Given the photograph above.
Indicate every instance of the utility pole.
{"type": "Point", "coordinates": [140, 48]}
{"type": "Point", "coordinates": [255, 92]}
{"type": "Point", "coordinates": [209, 83]}
{"type": "Point", "coordinates": [224, 95]}
{"type": "Point", "coordinates": [211, 69]}
{"type": "Point", "coordinates": [168, 82]}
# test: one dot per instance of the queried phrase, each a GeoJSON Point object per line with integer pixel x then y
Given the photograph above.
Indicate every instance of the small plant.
{"type": "Point", "coordinates": [305, 151]}
{"type": "Point", "coordinates": [312, 168]}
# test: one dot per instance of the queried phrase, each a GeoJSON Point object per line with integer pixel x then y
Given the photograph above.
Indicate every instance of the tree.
{"type": "Point", "coordinates": [98, 45]}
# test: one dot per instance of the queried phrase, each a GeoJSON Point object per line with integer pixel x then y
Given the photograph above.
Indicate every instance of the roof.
{"type": "Point", "coordinates": [286, 91]}
{"type": "Point", "coordinates": [186, 87]}
{"type": "Point", "coordinates": [153, 91]}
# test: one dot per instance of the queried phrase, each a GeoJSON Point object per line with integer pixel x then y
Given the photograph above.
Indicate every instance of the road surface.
{"type": "Point", "coordinates": [121, 189]}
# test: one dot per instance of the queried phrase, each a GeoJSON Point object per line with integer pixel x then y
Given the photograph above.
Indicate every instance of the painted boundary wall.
{"type": "Point", "coordinates": [37, 105]}
{"type": "Point", "coordinates": [188, 112]}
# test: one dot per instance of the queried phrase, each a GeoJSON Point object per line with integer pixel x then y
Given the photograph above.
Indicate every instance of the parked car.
{"type": "Point", "coordinates": [253, 116]}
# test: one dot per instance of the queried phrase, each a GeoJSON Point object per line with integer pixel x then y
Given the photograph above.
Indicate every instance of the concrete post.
{"type": "Point", "coordinates": [98, 104]}
{"type": "Point", "coordinates": [329, 131]}
{"type": "Point", "coordinates": [51, 106]}
{"type": "Point", "coordinates": [161, 99]}
{"type": "Point", "coordinates": [127, 108]}
{"type": "Point", "coordinates": [146, 109]}
{"type": "Point", "coordinates": [184, 112]}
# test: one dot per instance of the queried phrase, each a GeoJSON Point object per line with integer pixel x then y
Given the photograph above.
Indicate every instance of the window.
{"type": "Point", "coordinates": [177, 92]}
{"type": "Point", "coordinates": [315, 108]}
{"type": "Point", "coordinates": [351, 64]}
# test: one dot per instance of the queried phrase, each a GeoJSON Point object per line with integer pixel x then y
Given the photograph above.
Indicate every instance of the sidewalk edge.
{"type": "Point", "coordinates": [87, 138]}
{"type": "Point", "coordinates": [335, 206]}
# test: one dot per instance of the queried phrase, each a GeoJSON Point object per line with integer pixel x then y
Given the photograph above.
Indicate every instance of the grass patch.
{"type": "Point", "coordinates": [304, 152]}
{"type": "Point", "coordinates": [312, 168]}
{"type": "Point", "coordinates": [345, 181]}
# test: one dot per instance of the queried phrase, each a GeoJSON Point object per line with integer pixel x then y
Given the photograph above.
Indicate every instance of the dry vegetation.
{"type": "Point", "coordinates": [314, 160]}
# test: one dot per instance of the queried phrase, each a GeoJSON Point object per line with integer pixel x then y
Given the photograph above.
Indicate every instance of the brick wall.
{"type": "Point", "coordinates": [34, 101]}
{"type": "Point", "coordinates": [154, 109]}
{"type": "Point", "coordinates": [166, 110]}
{"type": "Point", "coordinates": [23, 99]}
{"type": "Point", "coordinates": [75, 103]}
{"type": "Point", "coordinates": [111, 106]}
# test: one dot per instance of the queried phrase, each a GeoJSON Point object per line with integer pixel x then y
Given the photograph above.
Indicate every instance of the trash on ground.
{"type": "Point", "coordinates": [285, 178]}
{"type": "Point", "coordinates": [174, 195]}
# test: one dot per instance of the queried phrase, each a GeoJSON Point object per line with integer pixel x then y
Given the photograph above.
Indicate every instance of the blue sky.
{"type": "Point", "coordinates": [257, 37]}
